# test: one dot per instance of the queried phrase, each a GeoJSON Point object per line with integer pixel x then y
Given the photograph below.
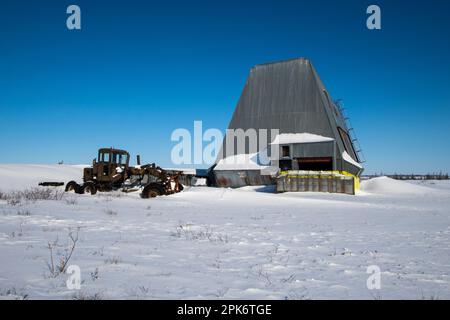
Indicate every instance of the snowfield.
{"type": "Point", "coordinates": [209, 243]}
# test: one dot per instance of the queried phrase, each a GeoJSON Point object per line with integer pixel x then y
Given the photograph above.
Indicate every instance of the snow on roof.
{"type": "Point", "coordinates": [349, 159]}
{"type": "Point", "coordinates": [305, 137]}
{"type": "Point", "coordinates": [252, 161]}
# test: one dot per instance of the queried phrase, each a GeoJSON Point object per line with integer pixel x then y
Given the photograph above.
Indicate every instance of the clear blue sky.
{"type": "Point", "coordinates": [140, 69]}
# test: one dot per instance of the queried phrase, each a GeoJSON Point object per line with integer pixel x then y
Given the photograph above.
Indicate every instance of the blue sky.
{"type": "Point", "coordinates": [140, 69]}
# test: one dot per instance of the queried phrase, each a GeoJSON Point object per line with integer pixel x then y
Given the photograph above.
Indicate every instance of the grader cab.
{"type": "Point", "coordinates": [111, 171]}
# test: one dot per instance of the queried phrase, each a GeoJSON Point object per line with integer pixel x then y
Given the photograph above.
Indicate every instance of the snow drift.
{"type": "Point", "coordinates": [385, 185]}
{"type": "Point", "coordinates": [25, 176]}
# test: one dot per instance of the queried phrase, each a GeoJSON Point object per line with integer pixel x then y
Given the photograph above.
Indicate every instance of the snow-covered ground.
{"type": "Point", "coordinates": [208, 243]}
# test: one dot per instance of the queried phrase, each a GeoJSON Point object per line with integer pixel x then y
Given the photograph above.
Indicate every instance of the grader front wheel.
{"type": "Point", "coordinates": [153, 190]}
{"type": "Point", "coordinates": [152, 193]}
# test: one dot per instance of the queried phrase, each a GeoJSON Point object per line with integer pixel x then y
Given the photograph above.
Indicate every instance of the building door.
{"type": "Point", "coordinates": [285, 165]}
{"type": "Point", "coordinates": [315, 163]}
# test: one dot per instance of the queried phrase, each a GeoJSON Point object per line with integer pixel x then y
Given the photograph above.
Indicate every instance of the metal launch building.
{"type": "Point", "coordinates": [314, 136]}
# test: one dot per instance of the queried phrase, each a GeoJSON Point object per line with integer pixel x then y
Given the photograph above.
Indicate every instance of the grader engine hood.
{"type": "Point", "coordinates": [88, 173]}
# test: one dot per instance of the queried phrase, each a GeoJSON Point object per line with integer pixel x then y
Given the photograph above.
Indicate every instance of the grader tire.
{"type": "Point", "coordinates": [72, 186]}
{"type": "Point", "coordinates": [89, 187]}
{"type": "Point", "coordinates": [152, 191]}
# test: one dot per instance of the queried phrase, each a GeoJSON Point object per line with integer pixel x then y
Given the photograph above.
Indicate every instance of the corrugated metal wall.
{"type": "Point", "coordinates": [240, 178]}
{"type": "Point", "coordinates": [322, 149]}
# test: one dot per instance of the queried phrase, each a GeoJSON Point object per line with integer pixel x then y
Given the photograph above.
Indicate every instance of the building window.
{"type": "Point", "coordinates": [285, 151]}
{"type": "Point", "coordinates": [348, 145]}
